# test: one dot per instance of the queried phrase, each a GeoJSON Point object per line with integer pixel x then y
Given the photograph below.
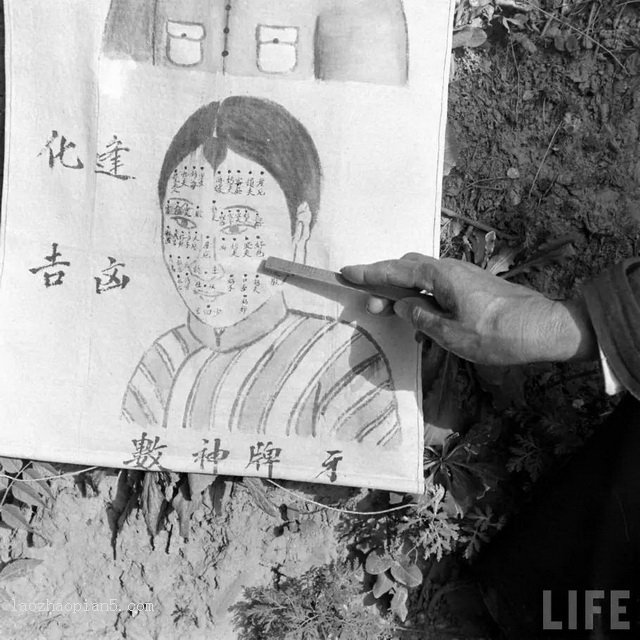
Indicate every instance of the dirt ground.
{"type": "Point", "coordinates": [547, 130]}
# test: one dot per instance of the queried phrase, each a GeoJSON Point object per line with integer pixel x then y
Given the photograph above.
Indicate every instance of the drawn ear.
{"type": "Point", "coordinates": [301, 233]}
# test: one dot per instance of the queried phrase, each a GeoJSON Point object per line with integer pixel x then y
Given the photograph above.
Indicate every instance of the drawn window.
{"type": "Point", "coordinates": [277, 49]}
{"type": "Point", "coordinates": [184, 43]}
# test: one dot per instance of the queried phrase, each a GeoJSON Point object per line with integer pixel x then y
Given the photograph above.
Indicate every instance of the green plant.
{"type": "Point", "coordinates": [455, 466]}
{"type": "Point", "coordinates": [478, 527]}
{"type": "Point", "coordinates": [325, 603]}
{"type": "Point", "coordinates": [393, 576]}
{"type": "Point", "coordinates": [431, 528]}
{"type": "Point", "coordinates": [22, 484]}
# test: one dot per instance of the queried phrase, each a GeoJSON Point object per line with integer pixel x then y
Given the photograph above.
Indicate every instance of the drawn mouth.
{"type": "Point", "coordinates": [210, 294]}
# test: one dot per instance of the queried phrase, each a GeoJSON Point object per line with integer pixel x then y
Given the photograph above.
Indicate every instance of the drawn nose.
{"type": "Point", "coordinates": [206, 266]}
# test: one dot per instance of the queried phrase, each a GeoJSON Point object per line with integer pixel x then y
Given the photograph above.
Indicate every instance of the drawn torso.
{"type": "Point", "coordinates": [325, 375]}
{"type": "Point", "coordinates": [359, 40]}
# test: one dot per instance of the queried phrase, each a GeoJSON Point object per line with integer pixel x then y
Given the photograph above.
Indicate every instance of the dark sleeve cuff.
{"type": "Point", "coordinates": [613, 301]}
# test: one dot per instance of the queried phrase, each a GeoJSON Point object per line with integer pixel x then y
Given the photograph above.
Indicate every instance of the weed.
{"type": "Point", "coordinates": [325, 603]}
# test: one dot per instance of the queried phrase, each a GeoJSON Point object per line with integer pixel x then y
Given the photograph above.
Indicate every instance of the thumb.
{"type": "Point", "coordinates": [424, 314]}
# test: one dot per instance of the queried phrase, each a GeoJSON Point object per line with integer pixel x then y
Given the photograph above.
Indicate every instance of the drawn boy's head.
{"type": "Point", "coordinates": [240, 181]}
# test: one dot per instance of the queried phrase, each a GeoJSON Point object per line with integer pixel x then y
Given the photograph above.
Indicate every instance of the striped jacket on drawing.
{"type": "Point", "coordinates": [306, 376]}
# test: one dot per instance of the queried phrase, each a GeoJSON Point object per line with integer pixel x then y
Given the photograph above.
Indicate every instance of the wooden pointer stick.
{"type": "Point", "coordinates": [285, 268]}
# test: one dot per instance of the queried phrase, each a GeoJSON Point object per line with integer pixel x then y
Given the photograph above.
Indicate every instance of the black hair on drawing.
{"type": "Point", "coordinates": [261, 131]}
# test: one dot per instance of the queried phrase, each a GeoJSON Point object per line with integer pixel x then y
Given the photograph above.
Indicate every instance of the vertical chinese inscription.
{"type": "Point", "coordinates": [146, 453]}
{"type": "Point", "coordinates": [59, 149]}
{"type": "Point", "coordinates": [110, 162]}
{"type": "Point", "coordinates": [211, 456]}
{"type": "Point", "coordinates": [264, 454]}
{"type": "Point", "coordinates": [52, 278]}
{"type": "Point", "coordinates": [330, 465]}
{"type": "Point", "coordinates": [110, 278]}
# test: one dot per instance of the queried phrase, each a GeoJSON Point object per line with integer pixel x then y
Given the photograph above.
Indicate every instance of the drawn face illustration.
{"type": "Point", "coordinates": [218, 225]}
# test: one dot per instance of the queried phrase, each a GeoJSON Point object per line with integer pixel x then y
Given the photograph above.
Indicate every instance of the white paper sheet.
{"type": "Point", "coordinates": [156, 152]}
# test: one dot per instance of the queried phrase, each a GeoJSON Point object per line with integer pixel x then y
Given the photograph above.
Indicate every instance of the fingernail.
{"type": "Point", "coordinates": [401, 308]}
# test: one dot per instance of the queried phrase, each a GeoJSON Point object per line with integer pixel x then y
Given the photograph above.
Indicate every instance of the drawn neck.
{"type": "Point", "coordinates": [259, 323]}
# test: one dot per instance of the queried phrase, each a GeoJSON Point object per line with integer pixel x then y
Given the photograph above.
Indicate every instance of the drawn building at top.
{"type": "Point", "coordinates": [330, 40]}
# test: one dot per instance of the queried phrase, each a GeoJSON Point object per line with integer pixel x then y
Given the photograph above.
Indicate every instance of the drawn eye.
{"type": "Point", "coordinates": [183, 222]}
{"type": "Point", "coordinates": [235, 229]}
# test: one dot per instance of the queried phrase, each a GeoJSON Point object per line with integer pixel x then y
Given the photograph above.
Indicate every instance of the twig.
{"type": "Point", "coordinates": [62, 475]}
{"type": "Point", "coordinates": [582, 33]}
{"type": "Point", "coordinates": [475, 223]}
{"type": "Point", "coordinates": [546, 153]}
{"type": "Point", "coordinates": [481, 180]}
{"type": "Point", "coordinates": [515, 62]}
{"type": "Point", "coordinates": [347, 511]}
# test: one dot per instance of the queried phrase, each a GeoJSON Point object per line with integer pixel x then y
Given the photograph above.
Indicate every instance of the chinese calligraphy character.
{"type": "Point", "coordinates": [110, 163]}
{"type": "Point", "coordinates": [110, 278]}
{"type": "Point", "coordinates": [52, 279]}
{"type": "Point", "coordinates": [147, 453]}
{"type": "Point", "coordinates": [330, 465]}
{"type": "Point", "coordinates": [64, 145]}
{"type": "Point", "coordinates": [215, 455]}
{"type": "Point", "coordinates": [264, 454]}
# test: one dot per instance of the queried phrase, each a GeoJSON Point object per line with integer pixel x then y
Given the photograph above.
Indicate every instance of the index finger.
{"type": "Point", "coordinates": [406, 273]}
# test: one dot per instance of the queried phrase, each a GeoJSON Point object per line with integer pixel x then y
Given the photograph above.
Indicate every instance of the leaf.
{"type": "Point", "coordinates": [153, 501]}
{"type": "Point", "coordinates": [382, 585]}
{"type": "Point", "coordinates": [13, 518]}
{"type": "Point", "coordinates": [503, 260]}
{"type": "Point", "coordinates": [23, 492]}
{"type": "Point", "coordinates": [40, 486]}
{"type": "Point", "coordinates": [524, 42]}
{"type": "Point", "coordinates": [18, 568]}
{"type": "Point", "coordinates": [552, 252]}
{"type": "Point", "coordinates": [219, 491]}
{"type": "Point", "coordinates": [377, 564]}
{"type": "Point", "coordinates": [442, 405]}
{"type": "Point", "coordinates": [468, 37]}
{"type": "Point", "coordinates": [407, 574]}
{"type": "Point", "coordinates": [451, 153]}
{"type": "Point", "coordinates": [489, 246]}
{"type": "Point", "coordinates": [44, 469]}
{"type": "Point", "coordinates": [11, 465]}
{"type": "Point", "coordinates": [198, 482]}
{"type": "Point", "coordinates": [258, 492]}
{"type": "Point", "coordinates": [184, 508]}
{"type": "Point", "coordinates": [399, 602]}
{"type": "Point", "coordinates": [505, 384]}
{"type": "Point", "coordinates": [396, 498]}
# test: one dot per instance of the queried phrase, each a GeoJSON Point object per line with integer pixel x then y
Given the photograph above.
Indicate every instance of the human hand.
{"type": "Point", "coordinates": [478, 316]}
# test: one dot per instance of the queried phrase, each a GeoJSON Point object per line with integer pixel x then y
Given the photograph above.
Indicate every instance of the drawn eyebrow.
{"type": "Point", "coordinates": [241, 206]}
{"type": "Point", "coordinates": [179, 200]}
